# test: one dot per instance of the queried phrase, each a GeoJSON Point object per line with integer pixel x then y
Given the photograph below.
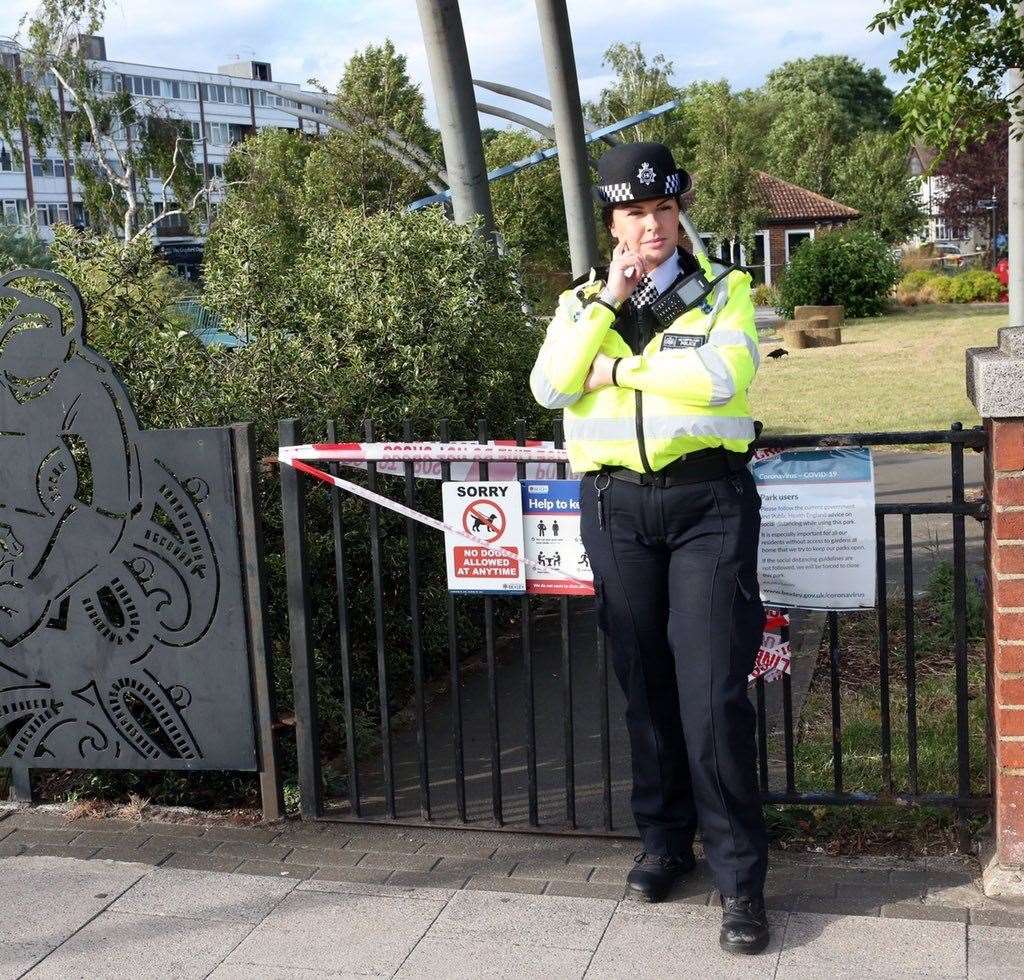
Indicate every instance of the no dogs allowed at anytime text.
{"type": "Point", "coordinates": [493, 514]}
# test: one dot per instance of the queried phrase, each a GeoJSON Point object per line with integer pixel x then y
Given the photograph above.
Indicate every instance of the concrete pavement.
{"type": "Point", "coordinates": [73, 918]}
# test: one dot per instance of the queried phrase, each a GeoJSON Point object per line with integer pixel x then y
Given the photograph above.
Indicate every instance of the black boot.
{"type": "Point", "coordinates": [744, 924]}
{"type": "Point", "coordinates": [654, 875]}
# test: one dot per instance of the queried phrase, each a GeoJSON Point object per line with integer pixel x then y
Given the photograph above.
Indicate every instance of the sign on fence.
{"type": "Point", "coordinates": [491, 512]}
{"type": "Point", "coordinates": [551, 519]}
{"type": "Point", "coordinates": [817, 528]}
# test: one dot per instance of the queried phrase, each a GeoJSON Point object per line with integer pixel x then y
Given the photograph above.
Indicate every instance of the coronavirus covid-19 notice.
{"type": "Point", "coordinates": [817, 547]}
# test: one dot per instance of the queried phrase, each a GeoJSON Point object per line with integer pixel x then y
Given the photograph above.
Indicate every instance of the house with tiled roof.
{"type": "Point", "coordinates": [795, 215]}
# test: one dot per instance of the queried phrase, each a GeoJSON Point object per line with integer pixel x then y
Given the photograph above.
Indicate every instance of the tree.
{"type": "Point", "coordinates": [861, 94]}
{"type": "Point", "coordinates": [115, 142]}
{"type": "Point", "coordinates": [872, 176]}
{"type": "Point", "coordinates": [975, 176]}
{"type": "Point", "coordinates": [728, 136]}
{"type": "Point", "coordinates": [641, 83]}
{"type": "Point", "coordinates": [528, 207]}
{"type": "Point", "coordinates": [388, 152]}
{"type": "Point", "coordinates": [956, 54]}
{"type": "Point", "coordinates": [807, 136]}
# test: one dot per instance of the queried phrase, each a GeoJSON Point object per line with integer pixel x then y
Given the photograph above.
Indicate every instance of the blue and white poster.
{"type": "Point", "coordinates": [551, 534]}
{"type": "Point", "coordinates": [817, 527]}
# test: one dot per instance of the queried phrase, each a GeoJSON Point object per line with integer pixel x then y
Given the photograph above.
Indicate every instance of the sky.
{"type": "Point", "coordinates": [739, 40]}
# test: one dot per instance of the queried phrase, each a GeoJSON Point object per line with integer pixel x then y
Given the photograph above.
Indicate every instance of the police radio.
{"type": "Point", "coordinates": [690, 292]}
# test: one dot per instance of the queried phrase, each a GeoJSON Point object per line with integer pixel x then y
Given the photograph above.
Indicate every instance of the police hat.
{"type": "Point", "coordinates": [638, 172]}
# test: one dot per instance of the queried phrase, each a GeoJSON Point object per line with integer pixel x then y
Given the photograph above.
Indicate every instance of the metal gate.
{"type": "Point", "coordinates": [522, 730]}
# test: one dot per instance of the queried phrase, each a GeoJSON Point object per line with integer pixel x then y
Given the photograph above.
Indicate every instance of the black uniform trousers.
{"type": "Point", "coordinates": [675, 572]}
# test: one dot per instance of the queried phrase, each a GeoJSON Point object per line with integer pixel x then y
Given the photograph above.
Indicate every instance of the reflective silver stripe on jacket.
{"type": "Point", "coordinates": [726, 337]}
{"type": "Point", "coordinates": [660, 427]}
{"type": "Point", "coordinates": [546, 393]}
{"type": "Point", "coordinates": [722, 385]}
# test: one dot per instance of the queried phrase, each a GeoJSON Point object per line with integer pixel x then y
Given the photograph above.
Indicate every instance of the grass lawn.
{"type": "Point", "coordinates": [902, 371]}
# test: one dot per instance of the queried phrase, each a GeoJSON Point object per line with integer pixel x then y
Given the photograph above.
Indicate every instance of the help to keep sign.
{"type": "Point", "coordinates": [551, 512]}
{"type": "Point", "coordinates": [492, 512]}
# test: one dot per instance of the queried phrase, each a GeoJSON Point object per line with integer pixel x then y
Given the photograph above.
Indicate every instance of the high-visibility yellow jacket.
{"type": "Point", "coordinates": [672, 396]}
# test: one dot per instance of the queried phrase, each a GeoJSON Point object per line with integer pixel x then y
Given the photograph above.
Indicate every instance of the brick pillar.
{"type": "Point", "coordinates": [995, 384]}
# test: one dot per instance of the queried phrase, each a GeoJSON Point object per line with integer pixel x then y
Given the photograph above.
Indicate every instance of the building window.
{"type": "Point", "coordinates": [47, 167]}
{"type": "Point", "coordinates": [9, 162]}
{"type": "Point", "coordinates": [15, 212]}
{"type": "Point", "coordinates": [795, 238]}
{"type": "Point", "coordinates": [217, 170]}
{"type": "Point", "coordinates": [756, 263]}
{"type": "Point", "coordinates": [218, 133]}
{"type": "Point", "coordinates": [945, 232]}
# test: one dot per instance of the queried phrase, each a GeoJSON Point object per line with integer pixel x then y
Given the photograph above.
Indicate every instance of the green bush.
{"type": "Point", "coordinates": [938, 289]}
{"type": "Point", "coordinates": [765, 295]}
{"type": "Point", "coordinates": [389, 317]}
{"type": "Point", "coordinates": [851, 268]}
{"type": "Point", "coordinates": [975, 286]}
{"type": "Point", "coordinates": [22, 248]}
{"type": "Point", "coordinates": [915, 279]}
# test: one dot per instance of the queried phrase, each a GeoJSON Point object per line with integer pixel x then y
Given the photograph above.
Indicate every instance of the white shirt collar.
{"type": "Point", "coordinates": [665, 274]}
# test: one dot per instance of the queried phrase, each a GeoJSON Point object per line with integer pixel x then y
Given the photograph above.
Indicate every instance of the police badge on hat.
{"type": "Point", "coordinates": [638, 172]}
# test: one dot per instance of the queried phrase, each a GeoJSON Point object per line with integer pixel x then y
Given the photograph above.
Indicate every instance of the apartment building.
{"type": "Point", "coordinates": [221, 107]}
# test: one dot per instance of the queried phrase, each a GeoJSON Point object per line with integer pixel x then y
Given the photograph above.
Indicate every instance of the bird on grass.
{"type": "Point", "coordinates": [778, 352]}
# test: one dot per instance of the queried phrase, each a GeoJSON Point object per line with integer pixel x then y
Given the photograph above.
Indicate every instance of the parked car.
{"type": "Point", "coordinates": [950, 255]}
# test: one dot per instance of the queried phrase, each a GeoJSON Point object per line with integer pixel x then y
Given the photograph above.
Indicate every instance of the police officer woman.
{"type": "Point", "coordinates": [651, 360]}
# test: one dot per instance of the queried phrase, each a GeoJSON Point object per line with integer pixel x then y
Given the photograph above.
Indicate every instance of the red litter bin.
{"type": "Point", "coordinates": [1002, 271]}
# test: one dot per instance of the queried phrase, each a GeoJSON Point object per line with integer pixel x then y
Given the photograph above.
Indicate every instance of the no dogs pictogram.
{"type": "Point", "coordinates": [484, 519]}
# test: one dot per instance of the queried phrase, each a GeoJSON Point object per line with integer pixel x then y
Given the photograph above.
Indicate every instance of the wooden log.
{"type": "Point", "coordinates": [834, 314]}
{"type": "Point", "coordinates": [824, 336]}
{"type": "Point", "coordinates": [793, 337]}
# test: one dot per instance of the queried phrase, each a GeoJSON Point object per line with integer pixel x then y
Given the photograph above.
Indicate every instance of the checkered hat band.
{"type": "Point", "coordinates": [627, 190]}
{"type": "Point", "coordinates": [617, 192]}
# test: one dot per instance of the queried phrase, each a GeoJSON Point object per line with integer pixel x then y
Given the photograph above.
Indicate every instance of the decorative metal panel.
{"type": "Point", "coordinates": [122, 624]}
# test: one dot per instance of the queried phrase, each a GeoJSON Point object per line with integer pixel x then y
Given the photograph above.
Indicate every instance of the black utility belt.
{"type": "Point", "coordinates": [704, 464]}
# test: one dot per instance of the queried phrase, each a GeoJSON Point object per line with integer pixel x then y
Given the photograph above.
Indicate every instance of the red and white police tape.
{"type": "Point", "coordinates": [323, 452]}
{"type": "Point", "coordinates": [773, 658]}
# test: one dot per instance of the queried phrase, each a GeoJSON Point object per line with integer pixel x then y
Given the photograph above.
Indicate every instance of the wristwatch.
{"type": "Point", "coordinates": [607, 298]}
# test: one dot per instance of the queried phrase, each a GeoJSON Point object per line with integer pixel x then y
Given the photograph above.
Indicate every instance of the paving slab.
{"type": "Point", "coordinates": [45, 900]}
{"type": "Point", "coordinates": [321, 857]}
{"type": "Point", "coordinates": [848, 946]}
{"type": "Point", "coordinates": [525, 920]}
{"type": "Point", "coordinates": [482, 960]}
{"type": "Point", "coordinates": [336, 933]}
{"type": "Point", "coordinates": [680, 945]}
{"type": "Point", "coordinates": [994, 953]}
{"type": "Point", "coordinates": [918, 910]}
{"type": "Point", "coordinates": [202, 862]}
{"type": "Point", "coordinates": [204, 895]}
{"type": "Point", "coordinates": [275, 869]}
{"type": "Point", "coordinates": [390, 890]}
{"type": "Point", "coordinates": [586, 889]}
{"type": "Point", "coordinates": [243, 971]}
{"type": "Point", "coordinates": [494, 883]}
{"type": "Point", "coordinates": [16, 959]}
{"type": "Point", "coordinates": [122, 944]}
